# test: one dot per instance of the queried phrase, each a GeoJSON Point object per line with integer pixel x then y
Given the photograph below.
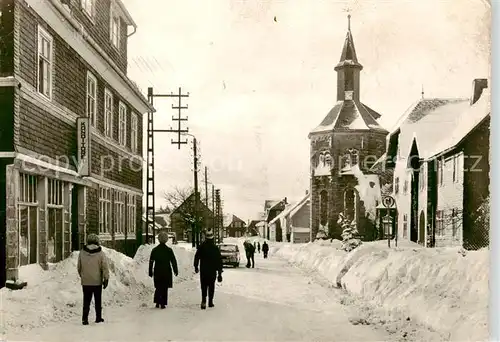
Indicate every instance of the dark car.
{"type": "Point", "coordinates": [230, 254]}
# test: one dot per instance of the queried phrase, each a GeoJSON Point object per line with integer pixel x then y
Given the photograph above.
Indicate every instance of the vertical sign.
{"type": "Point", "coordinates": [83, 146]}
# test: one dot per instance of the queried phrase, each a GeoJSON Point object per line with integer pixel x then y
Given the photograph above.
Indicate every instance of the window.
{"type": "Point", "coordinates": [122, 124]}
{"type": "Point", "coordinates": [439, 223]}
{"type": "Point", "coordinates": [120, 218]}
{"type": "Point", "coordinates": [108, 113]}
{"type": "Point", "coordinates": [131, 214]}
{"type": "Point", "coordinates": [405, 187]}
{"type": "Point", "coordinates": [133, 133]}
{"type": "Point", "coordinates": [439, 173]}
{"type": "Point", "coordinates": [114, 26]}
{"type": "Point", "coordinates": [104, 211]}
{"type": "Point", "coordinates": [405, 226]}
{"type": "Point", "coordinates": [28, 219]}
{"type": "Point", "coordinates": [454, 221]}
{"type": "Point", "coordinates": [92, 98]}
{"type": "Point", "coordinates": [396, 185]}
{"type": "Point", "coordinates": [455, 169]}
{"type": "Point", "coordinates": [55, 207]}
{"type": "Point", "coordinates": [45, 58]}
{"type": "Point", "coordinates": [88, 7]}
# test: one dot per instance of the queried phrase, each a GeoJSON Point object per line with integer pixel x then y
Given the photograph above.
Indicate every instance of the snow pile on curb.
{"type": "Point", "coordinates": [445, 289]}
{"type": "Point", "coordinates": [56, 295]}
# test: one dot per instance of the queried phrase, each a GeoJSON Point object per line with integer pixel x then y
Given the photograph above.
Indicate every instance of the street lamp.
{"type": "Point", "coordinates": [195, 234]}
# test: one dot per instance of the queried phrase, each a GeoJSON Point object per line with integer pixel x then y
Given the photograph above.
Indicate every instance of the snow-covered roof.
{"type": "Point", "coordinates": [349, 115]}
{"type": "Point", "coordinates": [427, 125]}
{"type": "Point", "coordinates": [291, 209]}
{"type": "Point", "coordinates": [465, 123]}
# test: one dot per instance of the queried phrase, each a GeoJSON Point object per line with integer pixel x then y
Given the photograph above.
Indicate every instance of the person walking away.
{"type": "Point", "coordinates": [162, 259]}
{"type": "Point", "coordinates": [209, 260]}
{"type": "Point", "coordinates": [93, 270]}
{"type": "Point", "coordinates": [265, 249]}
{"type": "Point", "coordinates": [250, 254]}
{"type": "Point", "coordinates": [258, 247]}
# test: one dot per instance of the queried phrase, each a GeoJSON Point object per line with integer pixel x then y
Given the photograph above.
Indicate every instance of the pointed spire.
{"type": "Point", "coordinates": [348, 56]}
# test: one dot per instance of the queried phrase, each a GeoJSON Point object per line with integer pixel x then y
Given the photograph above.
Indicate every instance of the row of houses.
{"type": "Point", "coordinates": [179, 220]}
{"type": "Point", "coordinates": [434, 165]}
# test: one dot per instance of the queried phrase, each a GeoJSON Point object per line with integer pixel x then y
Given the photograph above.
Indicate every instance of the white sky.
{"type": "Point", "coordinates": [257, 87]}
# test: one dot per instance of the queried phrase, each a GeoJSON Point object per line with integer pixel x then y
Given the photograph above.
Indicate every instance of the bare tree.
{"type": "Point", "coordinates": [178, 200]}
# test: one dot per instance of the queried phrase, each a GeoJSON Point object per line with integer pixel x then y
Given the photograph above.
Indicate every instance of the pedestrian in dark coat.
{"type": "Point", "coordinates": [258, 246]}
{"type": "Point", "coordinates": [209, 260]}
{"type": "Point", "coordinates": [163, 259]}
{"type": "Point", "coordinates": [93, 270]}
{"type": "Point", "coordinates": [250, 254]}
{"type": "Point", "coordinates": [265, 249]}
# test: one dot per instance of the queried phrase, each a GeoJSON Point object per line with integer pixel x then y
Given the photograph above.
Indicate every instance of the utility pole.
{"type": "Point", "coordinates": [217, 216]}
{"type": "Point", "coordinates": [206, 188]}
{"type": "Point", "coordinates": [213, 209]}
{"type": "Point", "coordinates": [150, 174]}
{"type": "Point", "coordinates": [196, 231]}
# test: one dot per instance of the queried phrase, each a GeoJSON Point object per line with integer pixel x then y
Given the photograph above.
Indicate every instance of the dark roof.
{"type": "Point", "coordinates": [350, 115]}
{"type": "Point", "coordinates": [348, 56]}
{"type": "Point", "coordinates": [268, 204]}
{"type": "Point", "coordinates": [190, 201]}
{"type": "Point", "coordinates": [161, 221]}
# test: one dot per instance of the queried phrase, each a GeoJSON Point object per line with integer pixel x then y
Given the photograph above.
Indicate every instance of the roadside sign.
{"type": "Point", "coordinates": [388, 201]}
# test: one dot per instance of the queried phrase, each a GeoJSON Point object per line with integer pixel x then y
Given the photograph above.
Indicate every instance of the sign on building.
{"type": "Point", "coordinates": [83, 146]}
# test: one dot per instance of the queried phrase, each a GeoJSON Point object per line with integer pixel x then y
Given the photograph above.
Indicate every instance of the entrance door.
{"type": "Point", "coordinates": [414, 207]}
{"type": "Point", "coordinates": [421, 233]}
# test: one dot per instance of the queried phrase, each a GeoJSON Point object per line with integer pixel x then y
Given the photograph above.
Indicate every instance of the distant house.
{"type": "Point", "coordinates": [294, 221]}
{"type": "Point", "coordinates": [236, 227]}
{"type": "Point", "coordinates": [153, 228]}
{"type": "Point", "coordinates": [441, 181]}
{"type": "Point", "coordinates": [252, 228]}
{"type": "Point", "coordinates": [182, 218]}
{"type": "Point", "coordinates": [273, 209]}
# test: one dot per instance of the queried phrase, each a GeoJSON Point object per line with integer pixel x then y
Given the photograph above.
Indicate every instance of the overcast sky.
{"type": "Point", "coordinates": [258, 85]}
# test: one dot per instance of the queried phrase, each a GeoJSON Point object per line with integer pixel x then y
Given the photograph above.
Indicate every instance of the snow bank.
{"type": "Point", "coordinates": [443, 289]}
{"type": "Point", "coordinates": [56, 295]}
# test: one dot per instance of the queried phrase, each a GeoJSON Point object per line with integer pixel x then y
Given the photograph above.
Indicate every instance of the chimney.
{"type": "Point", "coordinates": [478, 85]}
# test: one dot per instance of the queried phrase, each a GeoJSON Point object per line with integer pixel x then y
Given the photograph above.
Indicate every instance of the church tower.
{"type": "Point", "coordinates": [349, 140]}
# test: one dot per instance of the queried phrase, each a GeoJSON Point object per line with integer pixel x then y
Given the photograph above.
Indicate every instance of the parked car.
{"type": "Point", "coordinates": [230, 254]}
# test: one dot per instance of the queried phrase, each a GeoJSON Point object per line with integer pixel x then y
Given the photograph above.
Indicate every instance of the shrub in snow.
{"type": "Point", "coordinates": [349, 232]}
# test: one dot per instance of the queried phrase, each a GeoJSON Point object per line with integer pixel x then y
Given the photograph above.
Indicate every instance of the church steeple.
{"type": "Point", "coordinates": [348, 69]}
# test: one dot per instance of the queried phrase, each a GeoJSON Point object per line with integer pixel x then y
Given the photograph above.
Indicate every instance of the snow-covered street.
{"type": "Point", "coordinates": [274, 301]}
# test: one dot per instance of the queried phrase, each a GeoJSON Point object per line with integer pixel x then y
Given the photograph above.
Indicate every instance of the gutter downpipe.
{"type": "Point", "coordinates": [86, 36]}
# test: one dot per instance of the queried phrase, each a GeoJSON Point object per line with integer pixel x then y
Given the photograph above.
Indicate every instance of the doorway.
{"type": "Point", "coordinates": [75, 241]}
{"type": "Point", "coordinates": [421, 233]}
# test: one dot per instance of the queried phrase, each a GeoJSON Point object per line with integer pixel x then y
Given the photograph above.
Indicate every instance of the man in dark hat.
{"type": "Point", "coordinates": [210, 261]}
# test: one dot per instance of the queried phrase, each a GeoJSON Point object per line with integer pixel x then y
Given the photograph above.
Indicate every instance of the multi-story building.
{"type": "Point", "coordinates": [183, 217]}
{"type": "Point", "coordinates": [71, 132]}
{"type": "Point", "coordinates": [236, 227]}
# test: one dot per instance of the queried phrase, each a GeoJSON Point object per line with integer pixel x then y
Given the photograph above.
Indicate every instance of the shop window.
{"type": "Point", "coordinates": [28, 219]}
{"type": "Point", "coordinates": [439, 223]}
{"type": "Point", "coordinates": [119, 209]}
{"type": "Point", "coordinates": [55, 207]}
{"type": "Point", "coordinates": [104, 211]}
{"type": "Point", "coordinates": [131, 214]}
{"type": "Point", "coordinates": [405, 226]}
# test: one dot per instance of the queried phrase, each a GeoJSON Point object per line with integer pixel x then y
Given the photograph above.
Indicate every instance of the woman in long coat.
{"type": "Point", "coordinates": [163, 259]}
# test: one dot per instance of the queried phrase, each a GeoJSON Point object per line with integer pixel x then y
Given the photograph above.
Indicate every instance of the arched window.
{"type": "Point", "coordinates": [328, 160]}
{"type": "Point", "coordinates": [323, 202]}
{"type": "Point", "coordinates": [350, 204]}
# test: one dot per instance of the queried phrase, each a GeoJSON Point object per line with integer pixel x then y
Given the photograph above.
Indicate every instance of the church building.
{"type": "Point", "coordinates": [346, 143]}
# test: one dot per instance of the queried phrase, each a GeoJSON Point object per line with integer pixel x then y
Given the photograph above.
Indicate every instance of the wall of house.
{"type": "Point", "coordinates": [98, 27]}
{"type": "Point", "coordinates": [449, 198]}
{"type": "Point", "coordinates": [422, 205]}
{"type": "Point", "coordinates": [476, 185]}
{"type": "Point", "coordinates": [300, 237]}
{"type": "Point", "coordinates": [402, 196]}
{"type": "Point", "coordinates": [301, 217]}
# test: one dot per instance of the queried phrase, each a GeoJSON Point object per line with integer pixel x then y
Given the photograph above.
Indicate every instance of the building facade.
{"type": "Point", "coordinates": [183, 217]}
{"type": "Point", "coordinates": [442, 181]}
{"type": "Point", "coordinates": [71, 134]}
{"type": "Point", "coordinates": [348, 137]}
{"type": "Point", "coordinates": [236, 228]}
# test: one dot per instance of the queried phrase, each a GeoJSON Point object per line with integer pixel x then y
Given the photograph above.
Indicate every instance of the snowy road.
{"type": "Point", "coordinates": [273, 302]}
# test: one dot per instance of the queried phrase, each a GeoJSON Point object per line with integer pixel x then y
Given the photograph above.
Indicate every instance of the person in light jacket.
{"type": "Point", "coordinates": [163, 259]}
{"type": "Point", "coordinates": [94, 274]}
